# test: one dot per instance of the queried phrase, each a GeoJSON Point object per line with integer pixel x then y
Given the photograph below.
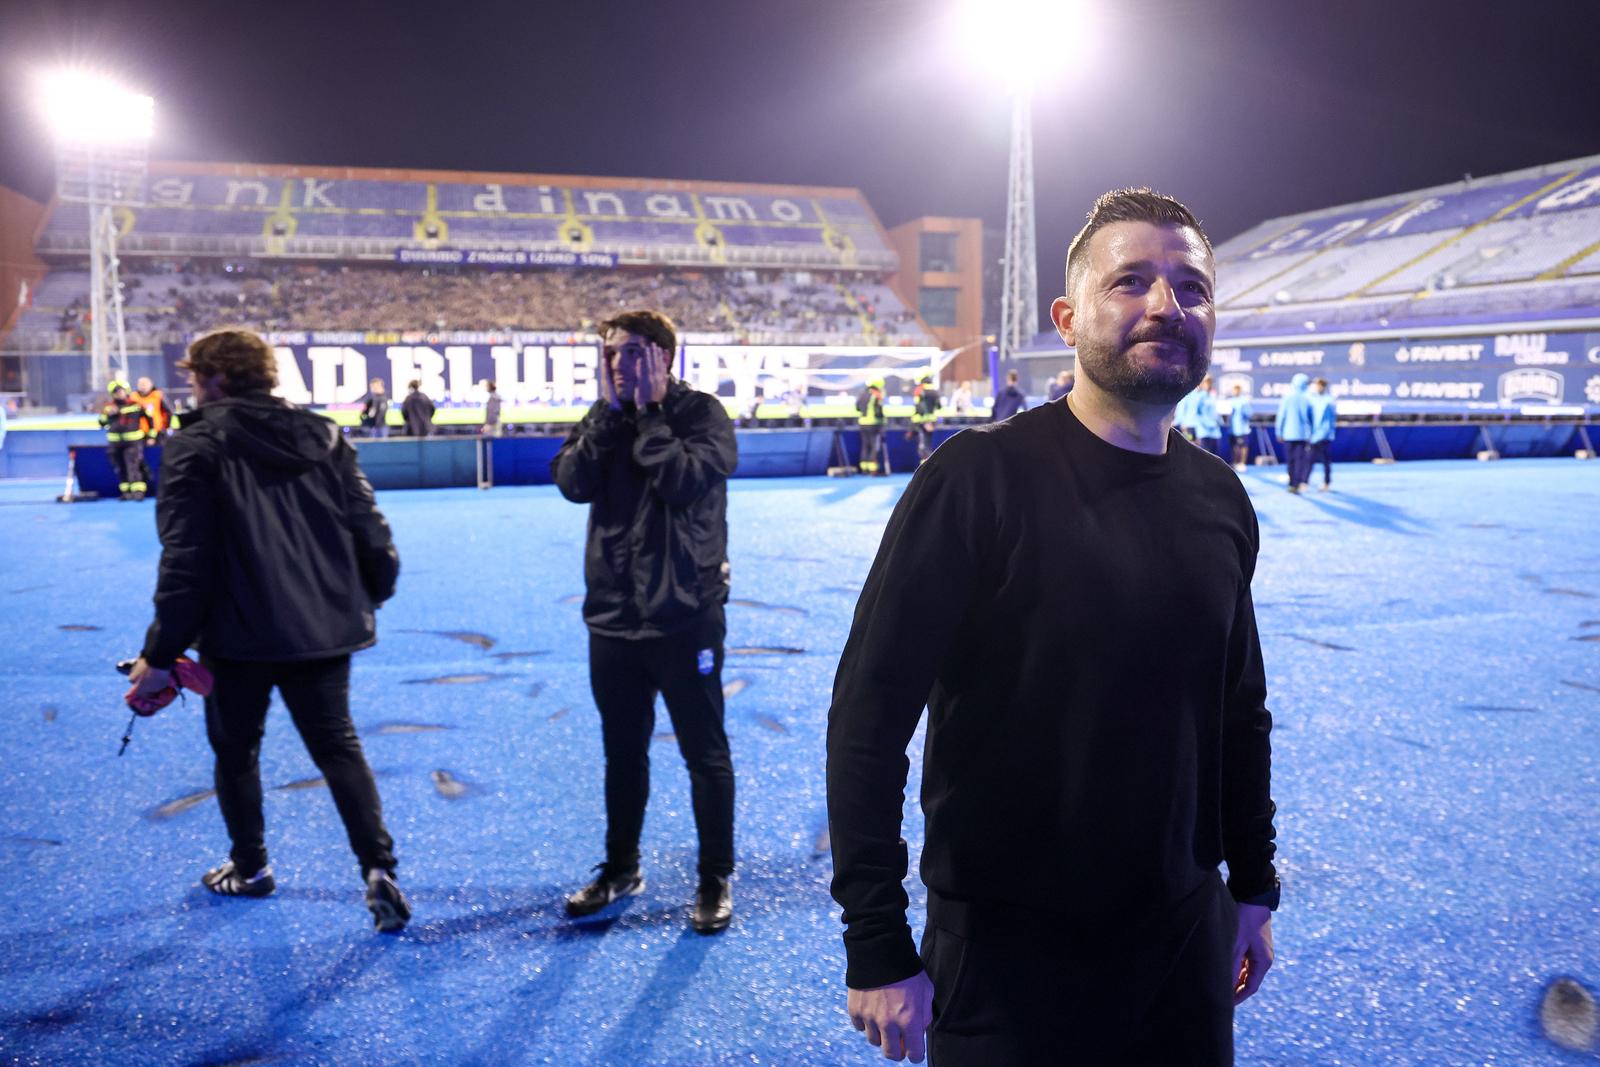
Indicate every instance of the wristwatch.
{"type": "Point", "coordinates": [653, 408]}
{"type": "Point", "coordinates": [1269, 899]}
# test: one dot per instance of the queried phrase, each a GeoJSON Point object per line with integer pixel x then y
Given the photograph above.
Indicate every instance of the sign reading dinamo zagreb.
{"type": "Point", "coordinates": [1508, 371]}
{"type": "Point", "coordinates": [324, 369]}
{"type": "Point", "coordinates": [500, 259]}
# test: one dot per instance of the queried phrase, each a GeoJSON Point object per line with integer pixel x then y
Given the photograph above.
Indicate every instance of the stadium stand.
{"type": "Point", "coordinates": [1460, 246]}
{"type": "Point", "coordinates": [1528, 303]}
{"type": "Point", "coordinates": [305, 249]}
{"type": "Point", "coordinates": [201, 209]}
{"type": "Point", "coordinates": [169, 300]}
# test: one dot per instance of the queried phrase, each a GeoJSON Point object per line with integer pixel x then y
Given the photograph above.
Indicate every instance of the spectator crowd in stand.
{"type": "Point", "coordinates": [174, 299]}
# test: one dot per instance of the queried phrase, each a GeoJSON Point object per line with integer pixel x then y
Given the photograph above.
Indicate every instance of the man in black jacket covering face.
{"type": "Point", "coordinates": [274, 558]}
{"type": "Point", "coordinates": [652, 459]}
{"type": "Point", "coordinates": [1097, 733]}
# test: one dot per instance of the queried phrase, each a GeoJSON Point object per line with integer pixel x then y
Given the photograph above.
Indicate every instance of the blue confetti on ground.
{"type": "Point", "coordinates": [1437, 775]}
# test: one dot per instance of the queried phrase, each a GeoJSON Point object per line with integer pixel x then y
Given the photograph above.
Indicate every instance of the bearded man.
{"type": "Point", "coordinates": [1098, 737]}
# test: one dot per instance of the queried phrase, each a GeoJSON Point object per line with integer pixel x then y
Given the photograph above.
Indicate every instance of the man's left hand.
{"type": "Point", "coordinates": [651, 385]}
{"type": "Point", "coordinates": [1252, 950]}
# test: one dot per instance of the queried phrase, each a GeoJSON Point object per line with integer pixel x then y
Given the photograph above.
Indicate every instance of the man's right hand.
{"type": "Point", "coordinates": [896, 1017]}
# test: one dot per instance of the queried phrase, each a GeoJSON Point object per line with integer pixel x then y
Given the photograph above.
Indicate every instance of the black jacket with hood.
{"type": "Point", "coordinates": [656, 482]}
{"type": "Point", "coordinates": [272, 547]}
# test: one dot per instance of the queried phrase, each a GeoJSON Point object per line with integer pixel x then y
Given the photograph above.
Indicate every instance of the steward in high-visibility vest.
{"type": "Point", "coordinates": [870, 406]}
{"type": "Point", "coordinates": [156, 409]}
{"type": "Point", "coordinates": [126, 429]}
{"type": "Point", "coordinates": [925, 416]}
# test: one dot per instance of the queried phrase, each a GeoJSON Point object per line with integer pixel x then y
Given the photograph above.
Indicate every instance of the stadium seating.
{"type": "Point", "coordinates": [1522, 245]}
{"type": "Point", "coordinates": [278, 211]}
{"type": "Point", "coordinates": [295, 249]}
{"type": "Point", "coordinates": [170, 300]}
{"type": "Point", "coordinates": [1525, 302]}
{"type": "Point", "coordinates": [1337, 272]}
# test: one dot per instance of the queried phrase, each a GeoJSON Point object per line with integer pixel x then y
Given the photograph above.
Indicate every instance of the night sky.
{"type": "Point", "coordinates": [1245, 109]}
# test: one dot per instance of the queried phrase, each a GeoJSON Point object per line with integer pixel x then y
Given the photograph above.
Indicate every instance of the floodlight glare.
{"type": "Point", "coordinates": [84, 108]}
{"type": "Point", "coordinates": [1022, 44]}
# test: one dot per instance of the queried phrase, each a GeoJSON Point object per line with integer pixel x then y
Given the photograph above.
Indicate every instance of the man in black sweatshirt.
{"type": "Point", "coordinates": [1098, 739]}
{"type": "Point", "coordinates": [651, 459]}
{"type": "Point", "coordinates": [274, 557]}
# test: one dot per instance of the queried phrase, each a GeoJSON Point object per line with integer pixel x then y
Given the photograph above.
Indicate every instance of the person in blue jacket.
{"type": "Point", "coordinates": [1239, 428]}
{"type": "Point", "coordinates": [1183, 415]}
{"type": "Point", "coordinates": [1207, 423]}
{"type": "Point", "coordinates": [1324, 423]}
{"type": "Point", "coordinates": [1294, 430]}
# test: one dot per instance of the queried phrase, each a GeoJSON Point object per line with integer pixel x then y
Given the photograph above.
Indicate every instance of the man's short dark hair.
{"type": "Point", "coordinates": [244, 360]}
{"type": "Point", "coordinates": [1129, 205]}
{"type": "Point", "coordinates": [651, 325]}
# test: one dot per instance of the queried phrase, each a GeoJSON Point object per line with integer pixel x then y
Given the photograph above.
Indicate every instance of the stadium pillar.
{"type": "Point", "coordinates": [1019, 298]}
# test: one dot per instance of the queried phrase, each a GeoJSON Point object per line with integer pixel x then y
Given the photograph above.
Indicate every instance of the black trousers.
{"type": "Point", "coordinates": [1321, 452]}
{"type": "Point", "coordinates": [1031, 992]}
{"type": "Point", "coordinates": [127, 463]}
{"type": "Point", "coordinates": [317, 693]}
{"type": "Point", "coordinates": [871, 447]}
{"type": "Point", "coordinates": [1299, 462]}
{"type": "Point", "coordinates": [686, 669]}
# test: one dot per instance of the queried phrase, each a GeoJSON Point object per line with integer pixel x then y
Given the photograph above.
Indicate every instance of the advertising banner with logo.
{"type": "Point", "coordinates": [332, 368]}
{"type": "Point", "coordinates": [1495, 371]}
{"type": "Point", "coordinates": [500, 260]}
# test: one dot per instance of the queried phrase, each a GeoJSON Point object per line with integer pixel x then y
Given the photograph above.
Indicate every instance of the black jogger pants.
{"type": "Point", "coordinates": [686, 669]}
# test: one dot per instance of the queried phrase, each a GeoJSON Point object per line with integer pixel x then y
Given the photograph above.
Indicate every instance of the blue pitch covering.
{"type": "Point", "coordinates": [1432, 634]}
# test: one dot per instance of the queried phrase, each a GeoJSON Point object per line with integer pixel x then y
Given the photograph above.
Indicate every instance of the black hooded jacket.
{"type": "Point", "coordinates": [657, 552]}
{"type": "Point", "coordinates": [272, 547]}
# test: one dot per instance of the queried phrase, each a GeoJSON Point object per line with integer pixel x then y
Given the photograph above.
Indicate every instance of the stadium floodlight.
{"type": "Point", "coordinates": [102, 132]}
{"type": "Point", "coordinates": [86, 108]}
{"type": "Point", "coordinates": [1022, 45]}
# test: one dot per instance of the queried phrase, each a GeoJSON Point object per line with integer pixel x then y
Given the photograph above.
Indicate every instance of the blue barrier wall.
{"type": "Point", "coordinates": [419, 462]}
{"type": "Point", "coordinates": [43, 453]}
{"type": "Point", "coordinates": [440, 462]}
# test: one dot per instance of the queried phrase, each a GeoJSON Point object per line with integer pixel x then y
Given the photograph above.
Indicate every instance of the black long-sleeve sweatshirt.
{"type": "Point", "coordinates": [1098, 739]}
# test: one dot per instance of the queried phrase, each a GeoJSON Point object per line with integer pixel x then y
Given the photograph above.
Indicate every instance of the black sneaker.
{"type": "Point", "coordinates": [608, 887]}
{"type": "Point", "coordinates": [226, 881]}
{"type": "Point", "coordinates": [713, 905]}
{"type": "Point", "coordinates": [390, 912]}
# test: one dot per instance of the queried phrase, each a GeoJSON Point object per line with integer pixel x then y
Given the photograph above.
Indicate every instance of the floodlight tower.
{"type": "Point", "coordinates": [1019, 297]}
{"type": "Point", "coordinates": [102, 134]}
